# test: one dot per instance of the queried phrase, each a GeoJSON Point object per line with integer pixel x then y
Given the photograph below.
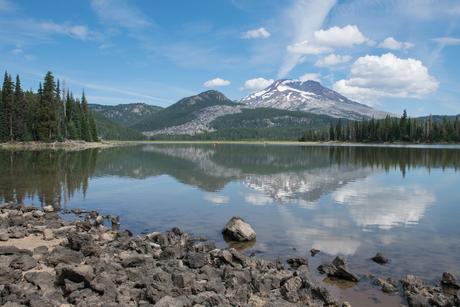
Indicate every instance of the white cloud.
{"type": "Point", "coordinates": [373, 77]}
{"type": "Point", "coordinates": [447, 41]}
{"type": "Point", "coordinates": [305, 48]}
{"type": "Point", "coordinates": [77, 31]}
{"type": "Point", "coordinates": [256, 33]}
{"type": "Point", "coordinates": [347, 36]}
{"type": "Point", "coordinates": [332, 60]}
{"type": "Point", "coordinates": [310, 76]}
{"type": "Point", "coordinates": [302, 19]}
{"type": "Point", "coordinates": [216, 82]}
{"type": "Point", "coordinates": [393, 44]}
{"type": "Point", "coordinates": [257, 84]}
{"type": "Point", "coordinates": [120, 13]}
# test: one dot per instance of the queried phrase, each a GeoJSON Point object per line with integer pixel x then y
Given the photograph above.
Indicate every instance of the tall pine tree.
{"type": "Point", "coordinates": [19, 112]}
{"type": "Point", "coordinates": [8, 108]}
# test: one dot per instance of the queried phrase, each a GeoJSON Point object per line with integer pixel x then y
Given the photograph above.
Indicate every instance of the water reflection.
{"type": "Point", "coordinates": [371, 203]}
{"type": "Point", "coordinates": [274, 174]}
{"type": "Point", "coordinates": [50, 176]}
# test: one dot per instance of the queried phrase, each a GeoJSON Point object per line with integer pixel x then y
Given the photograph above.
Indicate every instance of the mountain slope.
{"type": "Point", "coordinates": [126, 114]}
{"type": "Point", "coordinates": [309, 96]}
{"type": "Point", "coordinates": [187, 110]}
{"type": "Point", "coordinates": [109, 130]}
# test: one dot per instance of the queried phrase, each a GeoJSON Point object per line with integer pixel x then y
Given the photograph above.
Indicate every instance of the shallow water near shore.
{"type": "Point", "coordinates": [352, 201]}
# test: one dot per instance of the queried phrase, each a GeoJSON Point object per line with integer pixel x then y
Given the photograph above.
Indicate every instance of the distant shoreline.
{"type": "Point", "coordinates": [81, 145]}
{"type": "Point", "coordinates": [67, 145]}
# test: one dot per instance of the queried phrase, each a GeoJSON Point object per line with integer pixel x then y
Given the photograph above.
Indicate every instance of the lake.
{"type": "Point", "coordinates": [347, 200]}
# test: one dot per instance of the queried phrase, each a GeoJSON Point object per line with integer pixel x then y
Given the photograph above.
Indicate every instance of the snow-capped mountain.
{"type": "Point", "coordinates": [309, 96]}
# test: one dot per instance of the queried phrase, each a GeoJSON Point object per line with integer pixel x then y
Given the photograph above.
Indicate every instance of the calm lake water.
{"type": "Point", "coordinates": [353, 201]}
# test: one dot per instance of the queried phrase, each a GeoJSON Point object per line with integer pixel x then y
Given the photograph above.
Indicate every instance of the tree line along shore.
{"type": "Point", "coordinates": [50, 114]}
{"type": "Point", "coordinates": [431, 129]}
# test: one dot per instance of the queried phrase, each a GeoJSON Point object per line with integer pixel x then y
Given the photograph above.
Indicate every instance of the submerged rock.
{"type": "Point", "coordinates": [338, 269]}
{"type": "Point", "coordinates": [314, 251]}
{"type": "Point", "coordinates": [237, 229]}
{"type": "Point", "coordinates": [380, 258]}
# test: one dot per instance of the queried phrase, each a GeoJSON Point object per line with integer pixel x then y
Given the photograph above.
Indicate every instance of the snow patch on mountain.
{"type": "Point", "coordinates": [310, 96]}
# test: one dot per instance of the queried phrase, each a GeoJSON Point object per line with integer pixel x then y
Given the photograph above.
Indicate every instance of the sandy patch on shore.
{"type": "Point", "coordinates": [31, 242]}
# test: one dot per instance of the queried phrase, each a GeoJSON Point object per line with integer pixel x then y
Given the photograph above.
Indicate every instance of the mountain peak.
{"type": "Point", "coordinates": [309, 96]}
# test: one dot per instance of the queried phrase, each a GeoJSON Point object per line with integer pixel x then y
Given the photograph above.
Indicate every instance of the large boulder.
{"type": "Point", "coordinates": [238, 230]}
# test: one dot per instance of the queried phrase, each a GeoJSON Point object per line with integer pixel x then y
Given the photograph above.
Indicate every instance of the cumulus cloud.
{"type": "Point", "coordinates": [332, 60]}
{"type": "Point", "coordinates": [347, 36]}
{"type": "Point", "coordinates": [392, 44]}
{"type": "Point", "coordinates": [303, 18]}
{"type": "Point", "coordinates": [373, 77]}
{"type": "Point", "coordinates": [310, 76]}
{"type": "Point", "coordinates": [305, 48]}
{"type": "Point", "coordinates": [256, 33]}
{"type": "Point", "coordinates": [447, 40]}
{"type": "Point", "coordinates": [257, 84]}
{"type": "Point", "coordinates": [216, 82]}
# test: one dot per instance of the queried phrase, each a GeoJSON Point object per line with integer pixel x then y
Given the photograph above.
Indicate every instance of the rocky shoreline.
{"type": "Point", "coordinates": [48, 261]}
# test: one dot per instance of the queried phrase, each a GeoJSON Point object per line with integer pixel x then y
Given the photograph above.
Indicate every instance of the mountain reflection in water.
{"type": "Point", "coordinates": [341, 200]}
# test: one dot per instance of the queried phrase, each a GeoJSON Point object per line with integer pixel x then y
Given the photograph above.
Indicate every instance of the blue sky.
{"type": "Point", "coordinates": [391, 54]}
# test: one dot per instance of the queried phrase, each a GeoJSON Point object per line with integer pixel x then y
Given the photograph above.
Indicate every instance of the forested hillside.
{"type": "Point", "coordinates": [109, 130]}
{"type": "Point", "coordinates": [50, 114]}
{"type": "Point", "coordinates": [126, 115]}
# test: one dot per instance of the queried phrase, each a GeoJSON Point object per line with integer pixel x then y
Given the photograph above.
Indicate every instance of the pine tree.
{"type": "Point", "coordinates": [19, 112]}
{"type": "Point", "coordinates": [93, 128]}
{"type": "Point", "coordinates": [85, 129]}
{"type": "Point", "coordinates": [47, 122]}
{"type": "Point", "coordinates": [3, 133]}
{"type": "Point", "coordinates": [8, 108]}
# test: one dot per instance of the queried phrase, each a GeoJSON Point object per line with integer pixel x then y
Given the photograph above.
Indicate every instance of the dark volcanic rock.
{"type": "Point", "coordinates": [449, 280]}
{"type": "Point", "coordinates": [197, 260]}
{"type": "Point", "coordinates": [380, 258]}
{"type": "Point", "coordinates": [418, 294]}
{"type": "Point", "coordinates": [338, 269]}
{"type": "Point", "coordinates": [297, 262]}
{"type": "Point", "coordinates": [64, 255]}
{"type": "Point", "coordinates": [94, 266]}
{"type": "Point", "coordinates": [23, 262]}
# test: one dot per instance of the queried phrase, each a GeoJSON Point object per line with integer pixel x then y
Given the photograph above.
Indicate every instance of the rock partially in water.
{"type": "Point", "coordinates": [237, 229]}
{"type": "Point", "coordinates": [380, 258]}
{"type": "Point", "coordinates": [314, 251]}
{"type": "Point", "coordinates": [449, 280]}
{"type": "Point", "coordinates": [338, 269]}
{"type": "Point", "coordinates": [418, 294]}
{"type": "Point", "coordinates": [295, 263]}
{"type": "Point", "coordinates": [387, 285]}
